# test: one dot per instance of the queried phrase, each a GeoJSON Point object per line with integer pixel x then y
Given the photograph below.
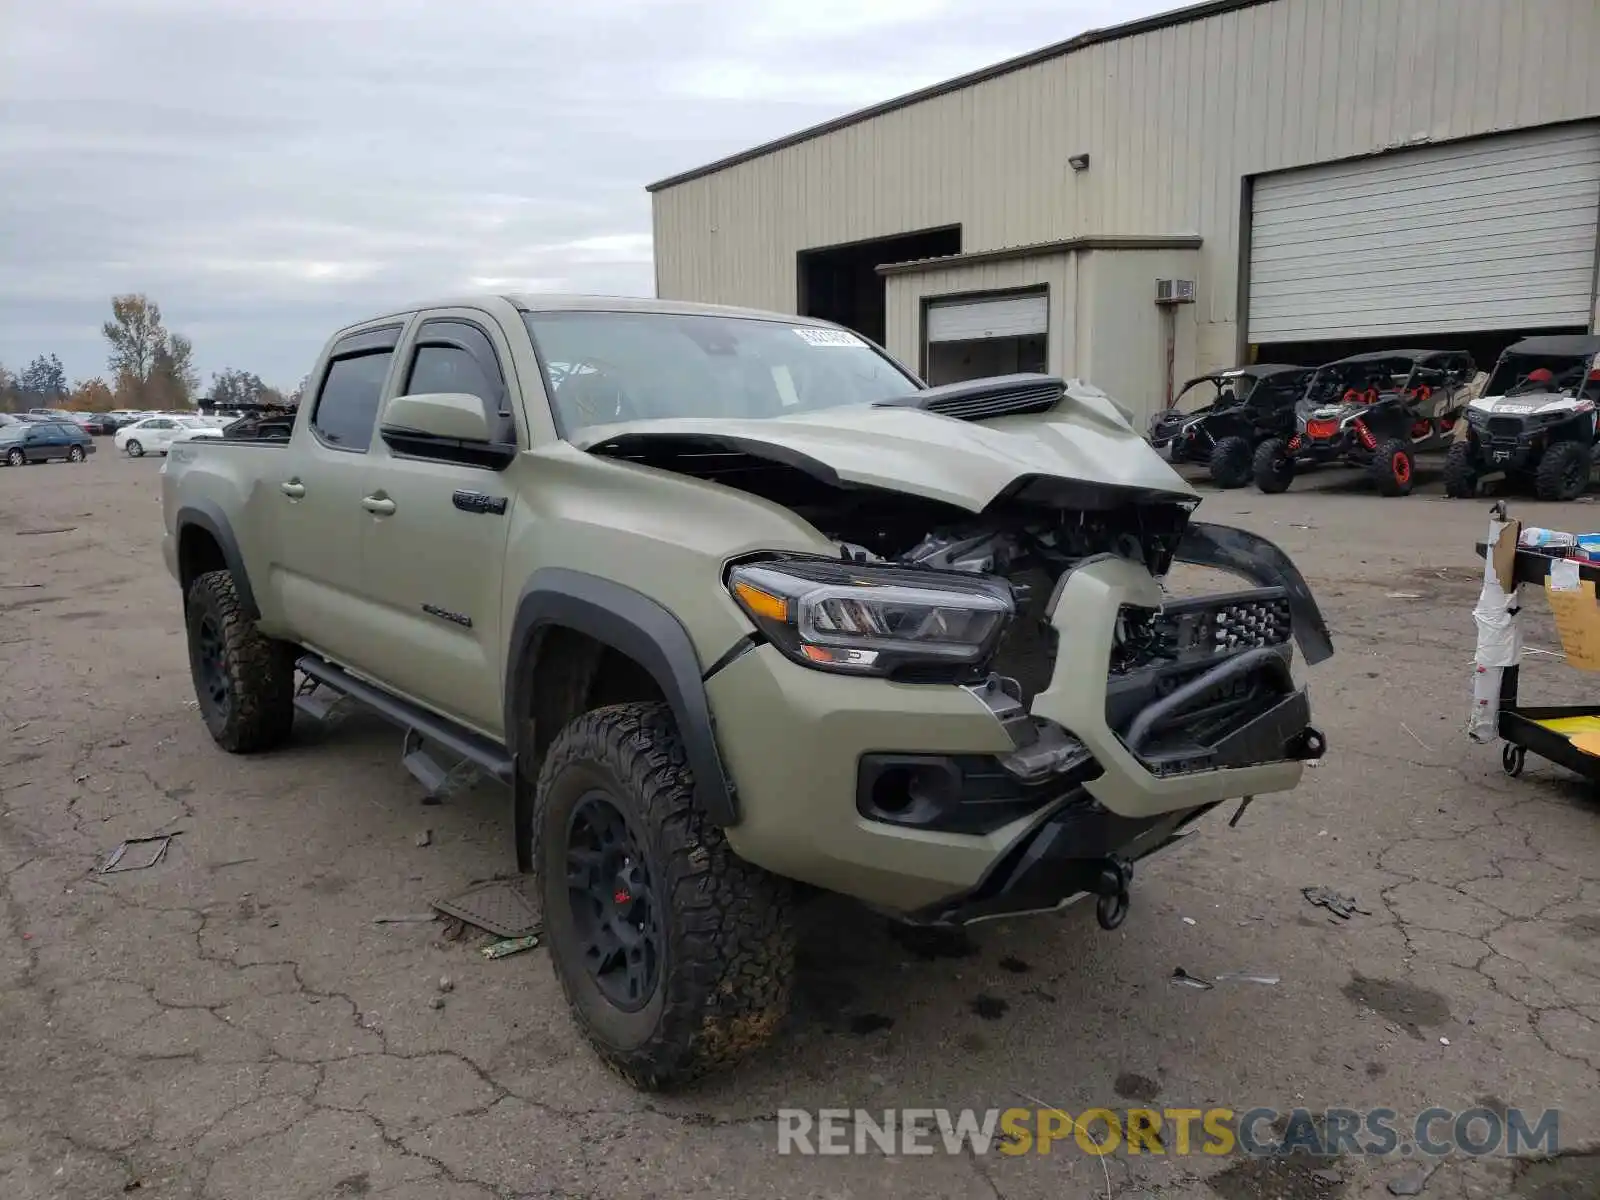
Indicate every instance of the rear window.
{"type": "Point", "coordinates": [605, 367]}
{"type": "Point", "coordinates": [347, 405]}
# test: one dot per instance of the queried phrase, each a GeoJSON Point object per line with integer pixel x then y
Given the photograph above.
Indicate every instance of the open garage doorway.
{"type": "Point", "coordinates": [1484, 345]}
{"type": "Point", "coordinates": [842, 284]}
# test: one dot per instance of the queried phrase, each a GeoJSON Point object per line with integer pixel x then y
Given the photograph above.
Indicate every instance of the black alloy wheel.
{"type": "Point", "coordinates": [615, 910]}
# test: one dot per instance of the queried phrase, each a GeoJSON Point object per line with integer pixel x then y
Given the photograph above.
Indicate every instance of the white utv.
{"type": "Point", "coordinates": [1534, 421]}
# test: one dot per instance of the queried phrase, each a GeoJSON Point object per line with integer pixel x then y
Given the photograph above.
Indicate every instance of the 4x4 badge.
{"type": "Point", "coordinates": [479, 502]}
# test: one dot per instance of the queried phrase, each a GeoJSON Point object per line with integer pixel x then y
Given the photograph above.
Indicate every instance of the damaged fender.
{"type": "Point", "coordinates": [1261, 562]}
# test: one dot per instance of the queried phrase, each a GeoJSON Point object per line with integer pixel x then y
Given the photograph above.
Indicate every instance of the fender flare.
{"type": "Point", "coordinates": [203, 514]}
{"type": "Point", "coordinates": [633, 624]}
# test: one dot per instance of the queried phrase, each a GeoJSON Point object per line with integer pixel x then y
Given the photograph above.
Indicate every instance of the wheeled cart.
{"type": "Point", "coordinates": [1565, 734]}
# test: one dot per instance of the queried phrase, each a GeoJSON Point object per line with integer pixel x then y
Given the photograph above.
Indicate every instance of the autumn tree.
{"type": "Point", "coordinates": [152, 367]}
{"type": "Point", "coordinates": [90, 395]}
{"type": "Point", "coordinates": [10, 395]}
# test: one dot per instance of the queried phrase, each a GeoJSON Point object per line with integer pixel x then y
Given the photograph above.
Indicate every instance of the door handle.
{"type": "Point", "coordinates": [292, 488]}
{"type": "Point", "coordinates": [381, 505]}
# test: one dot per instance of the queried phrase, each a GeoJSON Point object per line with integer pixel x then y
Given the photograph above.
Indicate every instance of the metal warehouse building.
{"type": "Point", "coordinates": [1268, 179]}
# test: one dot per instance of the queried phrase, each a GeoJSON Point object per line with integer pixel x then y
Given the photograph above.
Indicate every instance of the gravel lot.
{"type": "Point", "coordinates": [232, 1023]}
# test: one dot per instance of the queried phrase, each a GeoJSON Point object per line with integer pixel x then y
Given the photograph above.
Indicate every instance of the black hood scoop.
{"type": "Point", "coordinates": [981, 399]}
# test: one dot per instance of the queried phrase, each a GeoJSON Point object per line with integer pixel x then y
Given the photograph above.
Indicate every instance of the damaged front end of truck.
{"type": "Point", "coordinates": [1011, 538]}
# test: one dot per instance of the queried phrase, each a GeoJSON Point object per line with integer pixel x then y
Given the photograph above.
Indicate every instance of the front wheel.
{"type": "Point", "coordinates": [75, 455]}
{"type": "Point", "coordinates": [1392, 468]}
{"type": "Point", "coordinates": [675, 956]}
{"type": "Point", "coordinates": [1231, 462]}
{"type": "Point", "coordinates": [243, 680]}
{"type": "Point", "coordinates": [1273, 467]}
{"type": "Point", "coordinates": [1460, 471]}
{"type": "Point", "coordinates": [1563, 472]}
{"type": "Point", "coordinates": [135, 450]}
{"type": "Point", "coordinates": [15, 457]}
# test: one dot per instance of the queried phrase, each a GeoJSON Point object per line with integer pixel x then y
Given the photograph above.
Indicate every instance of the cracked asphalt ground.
{"type": "Point", "coordinates": [232, 1024]}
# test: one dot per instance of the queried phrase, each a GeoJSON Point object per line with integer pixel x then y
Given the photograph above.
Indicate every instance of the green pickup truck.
{"type": "Point", "coordinates": [738, 608]}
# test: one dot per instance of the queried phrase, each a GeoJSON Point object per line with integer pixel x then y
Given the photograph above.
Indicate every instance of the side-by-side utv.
{"type": "Point", "coordinates": [1374, 411]}
{"type": "Point", "coordinates": [1534, 422]}
{"type": "Point", "coordinates": [1218, 420]}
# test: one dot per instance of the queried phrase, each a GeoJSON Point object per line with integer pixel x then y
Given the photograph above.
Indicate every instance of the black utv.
{"type": "Point", "coordinates": [1218, 420]}
{"type": "Point", "coordinates": [1534, 420]}
{"type": "Point", "coordinates": [1373, 411]}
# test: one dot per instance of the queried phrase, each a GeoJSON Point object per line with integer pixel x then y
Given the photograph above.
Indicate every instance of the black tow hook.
{"type": "Point", "coordinates": [1111, 909]}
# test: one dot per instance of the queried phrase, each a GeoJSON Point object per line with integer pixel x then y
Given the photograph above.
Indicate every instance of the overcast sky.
{"type": "Point", "coordinates": [268, 169]}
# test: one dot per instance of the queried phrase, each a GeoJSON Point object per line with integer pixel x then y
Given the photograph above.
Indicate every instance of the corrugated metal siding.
{"type": "Point", "coordinates": [1172, 119]}
{"type": "Point", "coordinates": [1055, 272]}
{"type": "Point", "coordinates": [1494, 233]}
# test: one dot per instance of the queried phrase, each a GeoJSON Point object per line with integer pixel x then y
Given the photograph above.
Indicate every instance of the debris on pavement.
{"type": "Point", "coordinates": [406, 919]}
{"type": "Point", "coordinates": [511, 946]}
{"type": "Point", "coordinates": [1410, 1183]}
{"type": "Point", "coordinates": [1444, 1041]}
{"type": "Point", "coordinates": [1182, 978]}
{"type": "Point", "coordinates": [425, 838]}
{"type": "Point", "coordinates": [150, 851]}
{"type": "Point", "coordinates": [1340, 906]}
{"type": "Point", "coordinates": [1188, 920]}
{"type": "Point", "coordinates": [497, 907]}
{"type": "Point", "coordinates": [1328, 1177]}
{"type": "Point", "coordinates": [39, 532]}
{"type": "Point", "coordinates": [1248, 977]}
{"type": "Point", "coordinates": [1403, 595]}
{"type": "Point", "coordinates": [436, 1002]}
{"type": "Point", "coordinates": [1415, 738]}
{"type": "Point", "coordinates": [21, 585]}
{"type": "Point", "coordinates": [446, 984]}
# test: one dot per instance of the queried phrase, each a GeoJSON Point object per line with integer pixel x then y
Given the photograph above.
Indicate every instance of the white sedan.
{"type": "Point", "coordinates": [155, 435]}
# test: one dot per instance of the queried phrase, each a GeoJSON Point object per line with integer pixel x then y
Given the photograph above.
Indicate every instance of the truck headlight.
{"type": "Point", "coordinates": [873, 620]}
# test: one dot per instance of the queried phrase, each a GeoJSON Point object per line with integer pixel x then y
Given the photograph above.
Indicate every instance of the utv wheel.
{"type": "Point", "coordinates": [1273, 468]}
{"type": "Point", "coordinates": [1392, 468]}
{"type": "Point", "coordinates": [1231, 462]}
{"type": "Point", "coordinates": [1460, 471]}
{"type": "Point", "coordinates": [1563, 472]}
{"type": "Point", "coordinates": [675, 956]}
{"type": "Point", "coordinates": [15, 457]}
{"type": "Point", "coordinates": [243, 680]}
{"type": "Point", "coordinates": [135, 450]}
{"type": "Point", "coordinates": [75, 455]}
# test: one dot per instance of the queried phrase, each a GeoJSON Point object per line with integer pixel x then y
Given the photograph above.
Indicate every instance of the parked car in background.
{"type": "Point", "coordinates": [154, 435]}
{"type": "Point", "coordinates": [94, 424]}
{"type": "Point", "coordinates": [40, 441]}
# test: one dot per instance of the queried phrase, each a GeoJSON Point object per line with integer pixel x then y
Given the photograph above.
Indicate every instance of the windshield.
{"type": "Point", "coordinates": [604, 367]}
{"type": "Point", "coordinates": [1531, 374]}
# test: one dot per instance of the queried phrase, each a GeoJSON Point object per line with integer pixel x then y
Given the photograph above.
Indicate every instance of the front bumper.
{"type": "Point", "coordinates": [795, 741]}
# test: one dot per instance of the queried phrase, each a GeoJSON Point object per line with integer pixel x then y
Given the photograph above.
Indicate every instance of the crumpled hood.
{"type": "Point", "coordinates": [964, 463]}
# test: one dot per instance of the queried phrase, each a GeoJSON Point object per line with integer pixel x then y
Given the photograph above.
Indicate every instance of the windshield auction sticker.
{"type": "Point", "coordinates": [827, 337]}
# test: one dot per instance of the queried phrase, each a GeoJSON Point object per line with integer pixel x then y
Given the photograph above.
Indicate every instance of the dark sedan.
{"type": "Point", "coordinates": [40, 441]}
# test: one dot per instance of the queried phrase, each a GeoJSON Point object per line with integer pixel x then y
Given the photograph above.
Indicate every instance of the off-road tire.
{"type": "Point", "coordinates": [15, 457]}
{"type": "Point", "coordinates": [1460, 471]}
{"type": "Point", "coordinates": [75, 455]}
{"type": "Point", "coordinates": [1393, 469]}
{"type": "Point", "coordinates": [1231, 463]}
{"type": "Point", "coordinates": [134, 449]}
{"type": "Point", "coordinates": [259, 671]}
{"type": "Point", "coordinates": [1563, 472]}
{"type": "Point", "coordinates": [1273, 468]}
{"type": "Point", "coordinates": [725, 973]}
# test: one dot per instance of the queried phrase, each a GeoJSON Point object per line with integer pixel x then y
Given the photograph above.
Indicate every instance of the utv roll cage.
{"type": "Point", "coordinates": [1413, 374]}
{"type": "Point", "coordinates": [1573, 361]}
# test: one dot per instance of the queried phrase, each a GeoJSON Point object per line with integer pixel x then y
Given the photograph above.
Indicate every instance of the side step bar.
{"type": "Point", "coordinates": [485, 755]}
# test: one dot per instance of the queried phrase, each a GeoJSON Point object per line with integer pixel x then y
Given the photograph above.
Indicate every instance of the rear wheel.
{"type": "Point", "coordinates": [75, 454]}
{"type": "Point", "coordinates": [243, 680]}
{"type": "Point", "coordinates": [1461, 471]}
{"type": "Point", "coordinates": [135, 450]}
{"type": "Point", "coordinates": [1392, 468]}
{"type": "Point", "coordinates": [1231, 462]}
{"type": "Point", "coordinates": [1563, 472]}
{"type": "Point", "coordinates": [1273, 467]}
{"type": "Point", "coordinates": [675, 955]}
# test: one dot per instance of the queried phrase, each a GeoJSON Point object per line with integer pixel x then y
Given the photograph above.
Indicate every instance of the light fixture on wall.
{"type": "Point", "coordinates": [1078, 162]}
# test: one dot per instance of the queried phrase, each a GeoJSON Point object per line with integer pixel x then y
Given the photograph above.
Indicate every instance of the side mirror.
{"type": "Point", "coordinates": [443, 425]}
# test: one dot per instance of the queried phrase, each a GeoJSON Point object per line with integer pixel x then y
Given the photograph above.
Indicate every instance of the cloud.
{"type": "Point", "coordinates": [269, 169]}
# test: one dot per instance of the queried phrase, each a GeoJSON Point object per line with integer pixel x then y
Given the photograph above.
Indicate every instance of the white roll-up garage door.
{"type": "Point", "coordinates": [996, 317]}
{"type": "Point", "coordinates": [1495, 233]}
